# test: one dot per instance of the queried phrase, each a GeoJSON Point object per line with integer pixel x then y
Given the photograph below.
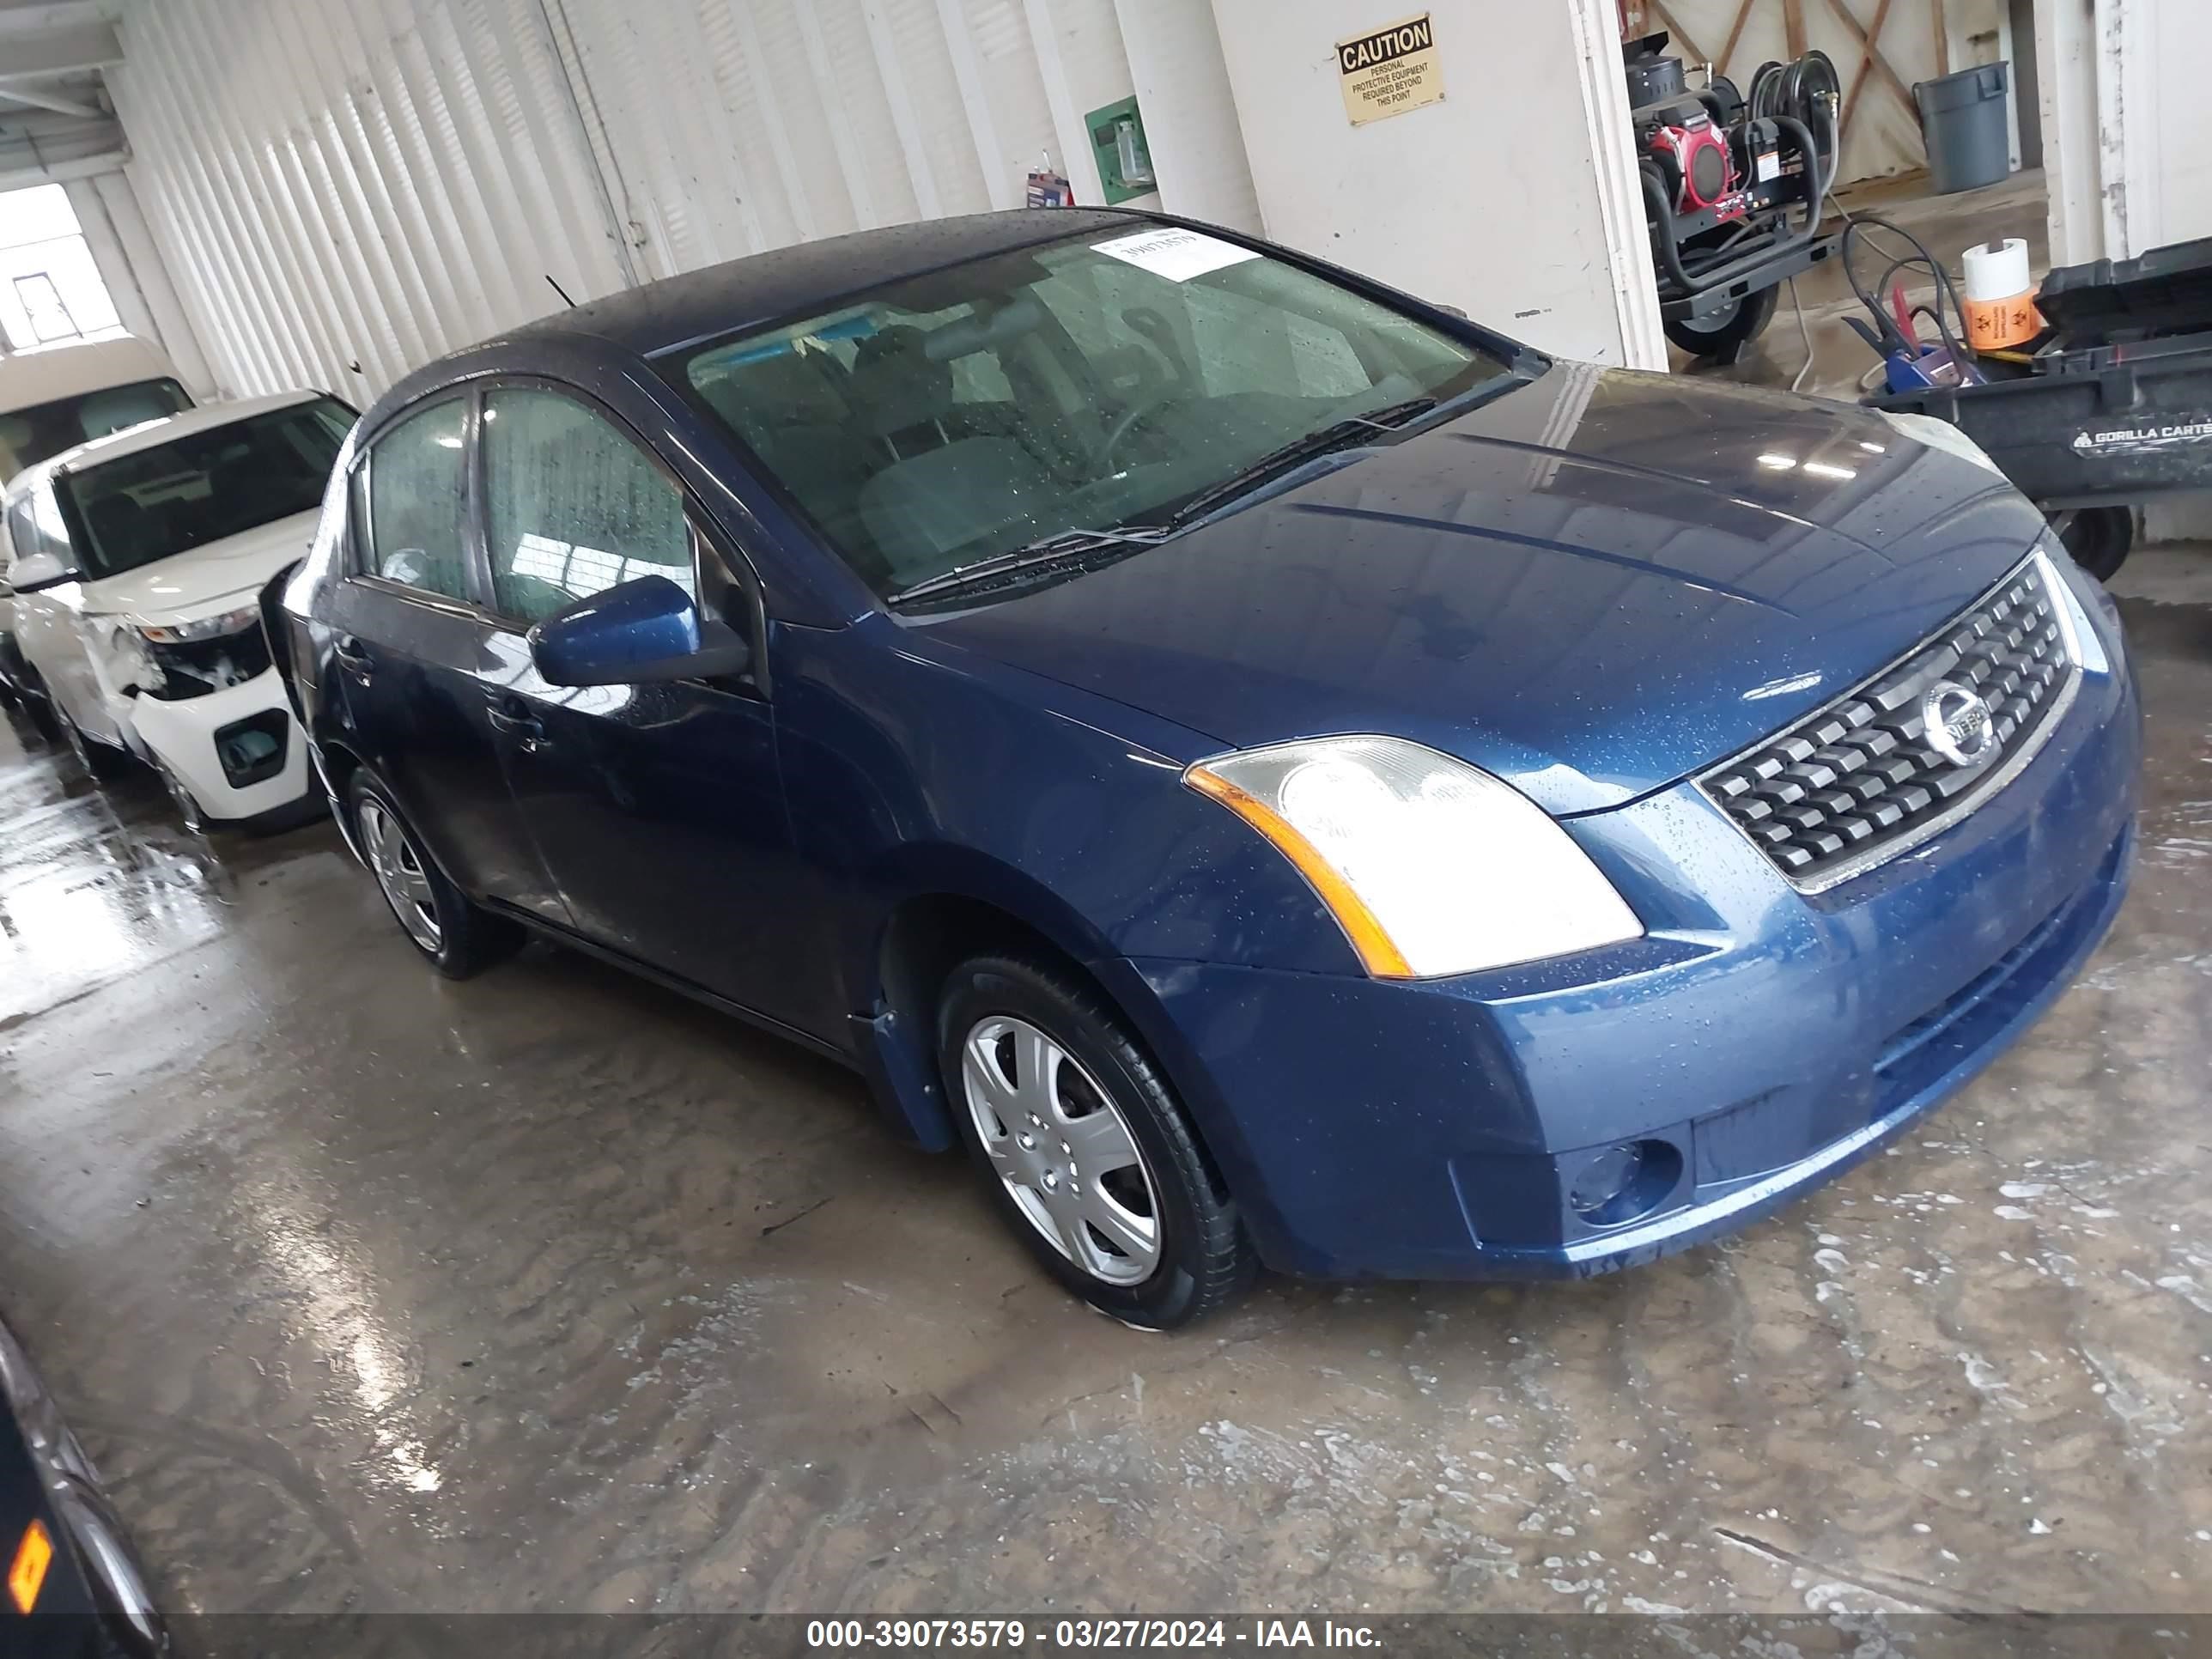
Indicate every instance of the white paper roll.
{"type": "Point", "coordinates": [1997, 270]}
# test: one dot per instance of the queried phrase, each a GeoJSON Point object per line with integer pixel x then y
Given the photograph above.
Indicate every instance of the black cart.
{"type": "Point", "coordinates": [2115, 407]}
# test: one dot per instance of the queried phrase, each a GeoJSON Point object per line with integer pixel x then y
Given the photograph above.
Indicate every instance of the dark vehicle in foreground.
{"type": "Point", "coordinates": [1282, 774]}
{"type": "Point", "coordinates": [74, 1587]}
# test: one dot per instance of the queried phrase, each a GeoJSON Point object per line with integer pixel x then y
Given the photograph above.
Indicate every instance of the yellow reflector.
{"type": "Point", "coordinates": [1378, 953]}
{"type": "Point", "coordinates": [28, 1570]}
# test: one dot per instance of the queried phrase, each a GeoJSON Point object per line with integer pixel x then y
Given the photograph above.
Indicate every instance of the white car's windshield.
{"type": "Point", "coordinates": [203, 486]}
{"type": "Point", "coordinates": [1102, 382]}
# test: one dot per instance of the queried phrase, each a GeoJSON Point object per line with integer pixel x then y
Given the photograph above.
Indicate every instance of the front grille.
{"type": "Point", "coordinates": [1856, 782]}
{"type": "Point", "coordinates": [195, 668]}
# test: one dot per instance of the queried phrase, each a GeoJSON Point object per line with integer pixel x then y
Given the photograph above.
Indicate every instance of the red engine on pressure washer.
{"type": "Point", "coordinates": [1696, 158]}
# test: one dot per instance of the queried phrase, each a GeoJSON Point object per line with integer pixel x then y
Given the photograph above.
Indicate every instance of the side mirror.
{"type": "Point", "coordinates": [36, 570]}
{"type": "Point", "coordinates": [645, 630]}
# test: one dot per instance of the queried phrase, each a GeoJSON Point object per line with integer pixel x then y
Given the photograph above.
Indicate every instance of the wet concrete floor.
{"type": "Point", "coordinates": [549, 1290]}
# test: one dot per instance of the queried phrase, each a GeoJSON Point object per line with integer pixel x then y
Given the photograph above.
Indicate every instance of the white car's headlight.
{"type": "Point", "coordinates": [1430, 866]}
{"type": "Point", "coordinates": [121, 656]}
{"type": "Point", "coordinates": [207, 628]}
{"type": "Point", "coordinates": [1940, 434]}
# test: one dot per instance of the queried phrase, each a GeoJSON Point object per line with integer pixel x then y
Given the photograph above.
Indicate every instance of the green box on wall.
{"type": "Point", "coordinates": [1125, 162]}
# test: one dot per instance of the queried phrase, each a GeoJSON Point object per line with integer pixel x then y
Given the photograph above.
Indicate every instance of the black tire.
{"type": "Point", "coordinates": [102, 762]}
{"type": "Point", "coordinates": [1722, 334]}
{"type": "Point", "coordinates": [38, 709]}
{"type": "Point", "coordinates": [187, 804]}
{"type": "Point", "coordinates": [2100, 540]}
{"type": "Point", "coordinates": [1203, 1259]}
{"type": "Point", "coordinates": [464, 938]}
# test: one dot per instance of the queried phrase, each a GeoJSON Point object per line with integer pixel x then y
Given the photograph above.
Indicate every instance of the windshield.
{"type": "Point", "coordinates": [1100, 382]}
{"type": "Point", "coordinates": [204, 486]}
{"type": "Point", "coordinates": [30, 435]}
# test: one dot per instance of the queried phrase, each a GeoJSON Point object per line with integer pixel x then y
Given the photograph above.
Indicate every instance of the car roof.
{"type": "Point", "coordinates": [151, 434]}
{"type": "Point", "coordinates": [763, 288]}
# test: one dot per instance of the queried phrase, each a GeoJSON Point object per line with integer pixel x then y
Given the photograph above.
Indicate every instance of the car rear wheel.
{"type": "Point", "coordinates": [1084, 1149]}
{"type": "Point", "coordinates": [460, 938]}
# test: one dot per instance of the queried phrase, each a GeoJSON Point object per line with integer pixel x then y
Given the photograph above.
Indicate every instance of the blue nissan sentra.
{"type": "Point", "coordinates": [1279, 773]}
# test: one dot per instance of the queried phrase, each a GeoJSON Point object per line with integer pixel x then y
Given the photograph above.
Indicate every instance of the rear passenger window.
{"type": "Point", "coordinates": [571, 507]}
{"type": "Point", "coordinates": [418, 503]}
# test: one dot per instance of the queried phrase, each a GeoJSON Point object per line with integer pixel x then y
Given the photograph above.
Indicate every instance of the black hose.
{"type": "Point", "coordinates": [1919, 257]}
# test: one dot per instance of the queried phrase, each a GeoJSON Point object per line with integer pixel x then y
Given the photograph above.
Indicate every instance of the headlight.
{"type": "Point", "coordinates": [207, 628]}
{"type": "Point", "coordinates": [121, 655]}
{"type": "Point", "coordinates": [1940, 434]}
{"type": "Point", "coordinates": [1429, 865]}
{"type": "Point", "coordinates": [2082, 640]}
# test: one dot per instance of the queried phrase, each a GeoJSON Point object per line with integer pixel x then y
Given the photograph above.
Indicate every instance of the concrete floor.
{"type": "Point", "coordinates": [551, 1290]}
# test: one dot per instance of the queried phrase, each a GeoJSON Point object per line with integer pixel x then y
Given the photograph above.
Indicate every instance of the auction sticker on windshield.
{"type": "Point", "coordinates": [1174, 253]}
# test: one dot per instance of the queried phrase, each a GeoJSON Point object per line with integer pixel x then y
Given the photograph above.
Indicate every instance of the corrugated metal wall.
{"type": "Point", "coordinates": [342, 189]}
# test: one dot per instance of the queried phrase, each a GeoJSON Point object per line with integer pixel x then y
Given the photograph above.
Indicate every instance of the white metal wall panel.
{"type": "Point", "coordinates": [343, 189]}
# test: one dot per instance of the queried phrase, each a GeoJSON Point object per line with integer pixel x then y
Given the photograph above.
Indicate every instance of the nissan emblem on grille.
{"type": "Point", "coordinates": [1956, 724]}
{"type": "Point", "coordinates": [1902, 754]}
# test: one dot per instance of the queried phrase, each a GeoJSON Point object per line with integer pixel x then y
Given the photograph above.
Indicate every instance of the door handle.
{"type": "Point", "coordinates": [353, 658]}
{"type": "Point", "coordinates": [515, 718]}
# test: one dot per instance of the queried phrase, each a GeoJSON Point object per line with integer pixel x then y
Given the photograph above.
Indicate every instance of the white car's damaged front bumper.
{"type": "Point", "coordinates": [237, 752]}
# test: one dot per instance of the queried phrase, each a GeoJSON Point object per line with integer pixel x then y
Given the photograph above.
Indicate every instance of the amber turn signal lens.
{"type": "Point", "coordinates": [27, 1572]}
{"type": "Point", "coordinates": [1377, 952]}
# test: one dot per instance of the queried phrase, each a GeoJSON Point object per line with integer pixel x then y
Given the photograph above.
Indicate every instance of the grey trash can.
{"type": "Point", "coordinates": [1962, 117]}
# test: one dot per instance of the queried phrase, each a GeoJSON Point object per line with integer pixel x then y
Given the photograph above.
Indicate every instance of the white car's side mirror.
{"type": "Point", "coordinates": [36, 570]}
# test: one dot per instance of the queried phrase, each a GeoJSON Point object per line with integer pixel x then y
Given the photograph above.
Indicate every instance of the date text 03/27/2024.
{"type": "Point", "coordinates": [1141, 1633]}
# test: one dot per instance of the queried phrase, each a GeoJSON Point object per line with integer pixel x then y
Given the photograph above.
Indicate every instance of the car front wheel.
{"type": "Point", "coordinates": [460, 938]}
{"type": "Point", "coordinates": [101, 762]}
{"type": "Point", "coordinates": [1083, 1147]}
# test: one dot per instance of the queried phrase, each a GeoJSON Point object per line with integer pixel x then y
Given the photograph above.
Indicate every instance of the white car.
{"type": "Point", "coordinates": [138, 561]}
{"type": "Point", "coordinates": [55, 399]}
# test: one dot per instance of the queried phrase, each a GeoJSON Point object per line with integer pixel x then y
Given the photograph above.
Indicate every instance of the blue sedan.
{"type": "Point", "coordinates": [1280, 773]}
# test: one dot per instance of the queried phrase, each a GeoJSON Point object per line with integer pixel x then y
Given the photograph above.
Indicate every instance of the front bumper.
{"type": "Point", "coordinates": [198, 740]}
{"type": "Point", "coordinates": [1758, 1042]}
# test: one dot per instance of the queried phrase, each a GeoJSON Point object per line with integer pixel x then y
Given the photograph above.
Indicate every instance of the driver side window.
{"type": "Point", "coordinates": [418, 503]}
{"type": "Point", "coordinates": [571, 507]}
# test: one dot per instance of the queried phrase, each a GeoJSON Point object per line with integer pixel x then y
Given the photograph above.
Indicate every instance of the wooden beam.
{"type": "Point", "coordinates": [1880, 64]}
{"type": "Point", "coordinates": [1793, 26]}
{"type": "Point", "coordinates": [1658, 9]}
{"type": "Point", "coordinates": [1942, 36]}
{"type": "Point", "coordinates": [1736, 34]}
{"type": "Point", "coordinates": [1865, 69]}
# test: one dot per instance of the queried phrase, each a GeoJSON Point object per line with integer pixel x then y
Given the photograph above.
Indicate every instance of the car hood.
{"type": "Point", "coordinates": [187, 585]}
{"type": "Point", "coordinates": [1589, 586]}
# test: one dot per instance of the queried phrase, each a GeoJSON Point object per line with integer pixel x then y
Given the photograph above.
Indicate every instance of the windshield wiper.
{"type": "Point", "coordinates": [1045, 549]}
{"type": "Point", "coordinates": [1337, 434]}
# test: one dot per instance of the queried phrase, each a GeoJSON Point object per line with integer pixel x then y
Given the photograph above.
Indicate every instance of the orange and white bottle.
{"type": "Point", "coordinates": [2000, 296]}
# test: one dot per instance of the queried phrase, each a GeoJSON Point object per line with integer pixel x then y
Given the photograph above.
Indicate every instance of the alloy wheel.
{"type": "Point", "coordinates": [1062, 1147]}
{"type": "Point", "coordinates": [399, 873]}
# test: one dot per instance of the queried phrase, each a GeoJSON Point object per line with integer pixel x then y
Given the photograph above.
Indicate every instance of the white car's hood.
{"type": "Point", "coordinates": [187, 585]}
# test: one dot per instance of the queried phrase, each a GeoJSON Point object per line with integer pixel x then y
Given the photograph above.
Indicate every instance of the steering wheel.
{"type": "Point", "coordinates": [1145, 401]}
